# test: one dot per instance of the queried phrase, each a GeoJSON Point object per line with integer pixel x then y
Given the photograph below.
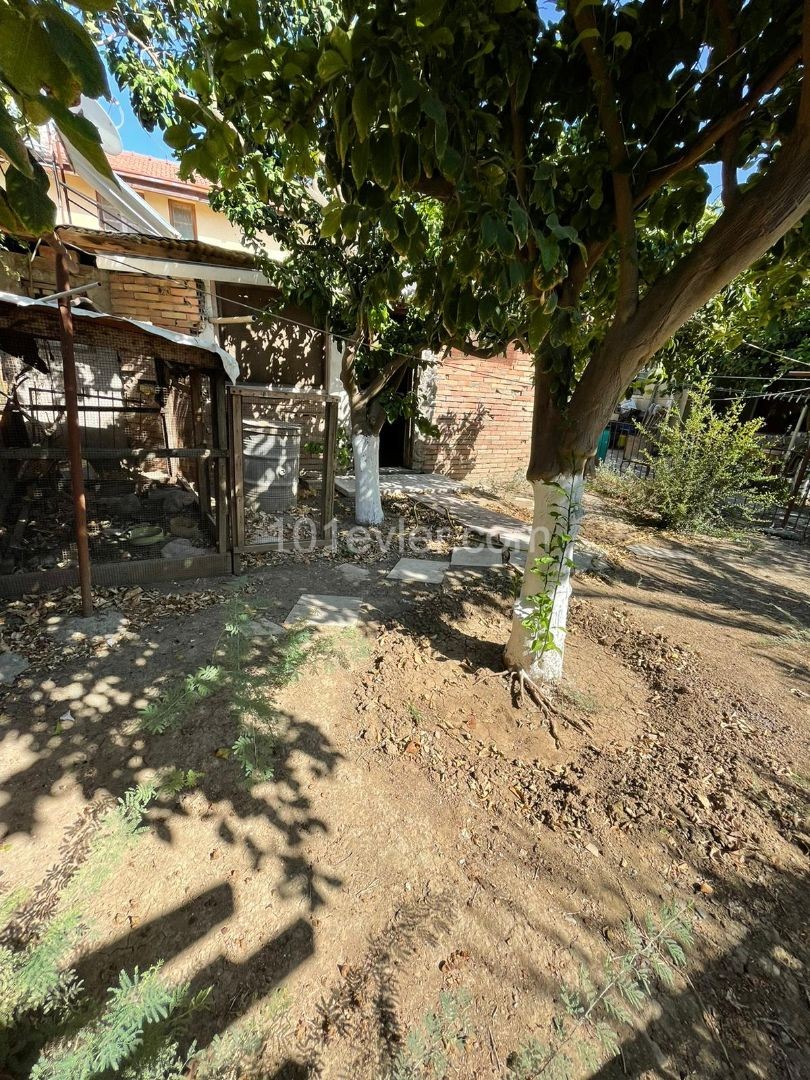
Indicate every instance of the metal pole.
{"type": "Point", "coordinates": [74, 432]}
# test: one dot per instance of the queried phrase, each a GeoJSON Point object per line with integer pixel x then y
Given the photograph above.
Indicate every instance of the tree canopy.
{"type": "Point", "coordinates": [566, 150]}
{"type": "Point", "coordinates": [47, 60]}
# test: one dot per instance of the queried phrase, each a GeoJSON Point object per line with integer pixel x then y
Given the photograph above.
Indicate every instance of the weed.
{"type": "Point", "coordinates": [169, 712]}
{"type": "Point", "coordinates": [430, 1048]}
{"type": "Point", "coordinates": [235, 1055]}
{"type": "Point", "coordinates": [248, 688]}
{"type": "Point", "coordinates": [176, 781]}
{"type": "Point", "coordinates": [48, 1028]}
{"type": "Point", "coordinates": [586, 1033]}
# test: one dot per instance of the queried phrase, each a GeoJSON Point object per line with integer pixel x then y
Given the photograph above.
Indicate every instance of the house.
{"type": "Point", "coordinates": [165, 497]}
{"type": "Point", "coordinates": [195, 275]}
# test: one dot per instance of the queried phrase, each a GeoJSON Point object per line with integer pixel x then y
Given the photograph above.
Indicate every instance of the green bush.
{"type": "Point", "coordinates": [50, 1029]}
{"type": "Point", "coordinates": [706, 469]}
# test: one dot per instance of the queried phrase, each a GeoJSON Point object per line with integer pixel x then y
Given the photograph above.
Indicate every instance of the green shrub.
{"type": "Point", "coordinates": [706, 470]}
{"type": "Point", "coordinates": [50, 1029]}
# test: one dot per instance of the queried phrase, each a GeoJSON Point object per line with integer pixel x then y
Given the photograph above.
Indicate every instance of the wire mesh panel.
{"type": "Point", "coordinates": [147, 444]}
{"type": "Point", "coordinates": [283, 455]}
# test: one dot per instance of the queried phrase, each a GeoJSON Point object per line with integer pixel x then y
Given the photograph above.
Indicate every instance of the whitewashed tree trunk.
{"type": "Point", "coordinates": [557, 511]}
{"type": "Point", "coordinates": [367, 504]}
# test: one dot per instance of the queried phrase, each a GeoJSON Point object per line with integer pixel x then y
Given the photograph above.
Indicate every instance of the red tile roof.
{"type": "Point", "coordinates": [142, 166]}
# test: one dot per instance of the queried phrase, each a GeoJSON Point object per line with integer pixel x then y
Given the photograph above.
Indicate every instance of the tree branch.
{"type": "Point", "coordinates": [728, 144]}
{"type": "Point", "coordinates": [713, 133]}
{"type": "Point", "coordinates": [803, 122]}
{"type": "Point", "coordinates": [367, 394]}
{"type": "Point", "coordinates": [742, 234]}
{"type": "Point", "coordinates": [611, 121]}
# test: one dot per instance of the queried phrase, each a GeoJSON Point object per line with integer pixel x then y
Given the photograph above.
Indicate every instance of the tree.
{"type": "Point", "coordinates": [348, 273]}
{"type": "Point", "coordinates": [47, 60]}
{"type": "Point", "coordinates": [567, 156]}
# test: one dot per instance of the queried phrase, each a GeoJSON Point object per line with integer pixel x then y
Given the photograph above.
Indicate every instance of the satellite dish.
{"type": "Point", "coordinates": [110, 139]}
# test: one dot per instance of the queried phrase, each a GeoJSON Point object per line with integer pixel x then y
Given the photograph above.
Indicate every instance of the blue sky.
{"type": "Point", "coordinates": [133, 136]}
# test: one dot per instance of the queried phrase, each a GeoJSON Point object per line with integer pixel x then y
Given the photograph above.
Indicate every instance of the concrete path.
{"type": "Point", "coordinates": [402, 482]}
{"type": "Point", "coordinates": [441, 494]}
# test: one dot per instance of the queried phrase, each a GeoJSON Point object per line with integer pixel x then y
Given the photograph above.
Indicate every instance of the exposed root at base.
{"type": "Point", "coordinates": [521, 683]}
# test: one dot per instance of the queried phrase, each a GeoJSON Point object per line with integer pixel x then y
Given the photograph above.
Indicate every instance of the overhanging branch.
{"type": "Point", "coordinates": [713, 133]}
{"type": "Point", "coordinates": [611, 121]}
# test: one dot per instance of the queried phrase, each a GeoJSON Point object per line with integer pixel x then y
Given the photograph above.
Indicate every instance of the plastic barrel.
{"type": "Point", "coordinates": [271, 462]}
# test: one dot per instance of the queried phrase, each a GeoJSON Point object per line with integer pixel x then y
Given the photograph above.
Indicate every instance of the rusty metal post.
{"type": "Point", "coordinates": [74, 432]}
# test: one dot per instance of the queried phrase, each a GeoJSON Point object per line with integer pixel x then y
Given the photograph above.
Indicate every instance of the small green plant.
{"type": "Point", "coordinates": [550, 568]}
{"type": "Point", "coordinates": [176, 781]}
{"type": "Point", "coordinates": [49, 1029]}
{"type": "Point", "coordinates": [431, 1047]}
{"type": "Point", "coordinates": [586, 1033]}
{"type": "Point", "coordinates": [247, 683]}
{"type": "Point", "coordinates": [707, 469]}
{"type": "Point", "coordinates": [235, 1054]}
{"type": "Point", "coordinates": [169, 712]}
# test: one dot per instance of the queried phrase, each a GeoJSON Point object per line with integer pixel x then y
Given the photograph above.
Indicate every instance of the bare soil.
{"type": "Point", "coordinates": [426, 832]}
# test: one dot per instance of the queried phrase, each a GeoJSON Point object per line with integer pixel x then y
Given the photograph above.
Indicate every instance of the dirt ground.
{"type": "Point", "coordinates": [425, 832]}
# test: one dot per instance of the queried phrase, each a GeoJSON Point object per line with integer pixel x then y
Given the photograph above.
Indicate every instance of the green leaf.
{"type": "Point", "coordinates": [28, 198]}
{"type": "Point", "coordinates": [77, 50]}
{"type": "Point", "coordinates": [505, 7]}
{"type": "Point", "coordinates": [586, 35]}
{"type": "Point", "coordinates": [520, 221]}
{"type": "Point", "coordinates": [382, 159]}
{"type": "Point", "coordinates": [538, 327]}
{"type": "Point", "coordinates": [12, 146]}
{"type": "Point", "coordinates": [549, 251]}
{"type": "Point", "coordinates": [363, 107]}
{"type": "Point", "coordinates": [330, 65]}
{"type": "Point", "coordinates": [623, 40]}
{"type": "Point", "coordinates": [331, 221]}
{"type": "Point", "coordinates": [80, 133]}
{"type": "Point", "coordinates": [342, 43]}
{"type": "Point", "coordinates": [359, 155]}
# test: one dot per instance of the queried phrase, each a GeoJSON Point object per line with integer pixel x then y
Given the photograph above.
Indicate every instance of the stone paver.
{"type": "Point", "coordinates": [11, 665]}
{"type": "Point", "coordinates": [647, 551]}
{"type": "Point", "coordinates": [326, 611]}
{"type": "Point", "coordinates": [421, 571]}
{"type": "Point", "coordinates": [476, 556]}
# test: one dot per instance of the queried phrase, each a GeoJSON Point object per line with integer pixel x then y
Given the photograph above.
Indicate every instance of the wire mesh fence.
{"type": "Point", "coordinates": [284, 441]}
{"type": "Point", "coordinates": [149, 451]}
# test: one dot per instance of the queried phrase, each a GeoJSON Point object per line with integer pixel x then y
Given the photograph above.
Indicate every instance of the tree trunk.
{"type": "Point", "coordinates": [367, 504]}
{"type": "Point", "coordinates": [537, 641]}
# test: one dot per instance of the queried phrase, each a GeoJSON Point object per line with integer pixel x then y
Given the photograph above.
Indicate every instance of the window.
{"type": "Point", "coordinates": [181, 215]}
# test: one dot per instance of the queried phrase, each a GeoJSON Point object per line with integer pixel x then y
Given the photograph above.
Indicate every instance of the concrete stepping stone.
{"type": "Point", "coordinates": [109, 626]}
{"type": "Point", "coordinates": [420, 571]}
{"type": "Point", "coordinates": [326, 611]}
{"type": "Point", "coordinates": [476, 556]}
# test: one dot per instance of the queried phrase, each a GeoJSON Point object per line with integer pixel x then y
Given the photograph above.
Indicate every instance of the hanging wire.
{"type": "Point", "coordinates": [258, 311]}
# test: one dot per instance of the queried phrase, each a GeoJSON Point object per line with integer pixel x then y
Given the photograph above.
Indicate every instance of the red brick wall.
{"type": "Point", "coordinates": [172, 303]}
{"type": "Point", "coordinates": [483, 409]}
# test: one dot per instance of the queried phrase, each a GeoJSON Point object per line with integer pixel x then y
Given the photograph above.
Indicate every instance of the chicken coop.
{"type": "Point", "coordinates": [284, 451]}
{"type": "Point", "coordinates": [154, 447]}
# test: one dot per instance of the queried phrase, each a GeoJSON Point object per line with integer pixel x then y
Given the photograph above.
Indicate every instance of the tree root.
{"type": "Point", "coordinates": [522, 684]}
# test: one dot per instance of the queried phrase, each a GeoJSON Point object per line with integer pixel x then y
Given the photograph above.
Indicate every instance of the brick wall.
{"type": "Point", "coordinates": [173, 303]}
{"type": "Point", "coordinates": [483, 409]}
